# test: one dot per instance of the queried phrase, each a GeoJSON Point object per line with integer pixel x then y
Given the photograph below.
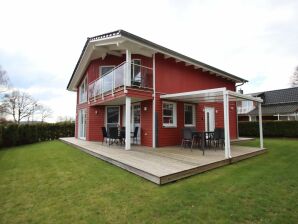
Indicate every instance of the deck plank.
{"type": "Point", "coordinates": [165, 164]}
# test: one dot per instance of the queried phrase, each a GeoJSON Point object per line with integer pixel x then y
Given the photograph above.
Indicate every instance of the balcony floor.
{"type": "Point", "coordinates": [165, 164]}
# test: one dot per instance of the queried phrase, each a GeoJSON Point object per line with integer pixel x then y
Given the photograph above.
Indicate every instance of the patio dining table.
{"type": "Point", "coordinates": [205, 136]}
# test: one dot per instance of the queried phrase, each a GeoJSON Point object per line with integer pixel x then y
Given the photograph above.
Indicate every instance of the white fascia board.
{"type": "Point", "coordinates": [246, 97]}
{"type": "Point", "coordinates": [193, 93]}
{"type": "Point", "coordinates": [87, 53]}
{"type": "Point", "coordinates": [181, 59]}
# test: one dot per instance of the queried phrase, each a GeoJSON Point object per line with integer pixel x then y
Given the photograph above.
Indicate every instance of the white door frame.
{"type": "Point", "coordinates": [211, 110]}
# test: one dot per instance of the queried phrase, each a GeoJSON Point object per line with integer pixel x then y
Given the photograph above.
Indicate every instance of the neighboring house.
{"type": "Point", "coordinates": [277, 105]}
{"type": "Point", "coordinates": [124, 80]}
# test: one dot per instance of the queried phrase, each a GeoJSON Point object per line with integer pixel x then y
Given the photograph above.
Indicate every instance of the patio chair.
{"type": "Point", "coordinates": [216, 137]}
{"type": "Point", "coordinates": [135, 135]}
{"type": "Point", "coordinates": [222, 137]}
{"type": "Point", "coordinates": [113, 135]}
{"type": "Point", "coordinates": [186, 138]}
{"type": "Point", "coordinates": [122, 135]}
{"type": "Point", "coordinates": [209, 137]}
{"type": "Point", "coordinates": [104, 134]}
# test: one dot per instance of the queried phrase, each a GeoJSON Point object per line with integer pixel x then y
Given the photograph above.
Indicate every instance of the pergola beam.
{"type": "Point", "coordinates": [245, 97]}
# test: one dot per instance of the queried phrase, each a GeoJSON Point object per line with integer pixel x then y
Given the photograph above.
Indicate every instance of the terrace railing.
{"type": "Point", "coordinates": [141, 77]}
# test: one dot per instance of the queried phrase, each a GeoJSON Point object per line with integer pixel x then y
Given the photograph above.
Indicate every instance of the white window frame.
{"type": "Point", "coordinates": [174, 124]}
{"type": "Point", "coordinates": [193, 107]}
{"type": "Point", "coordinates": [83, 97]}
{"type": "Point", "coordinates": [104, 66]}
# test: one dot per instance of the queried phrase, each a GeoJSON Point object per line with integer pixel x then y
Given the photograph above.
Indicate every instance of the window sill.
{"type": "Point", "coordinates": [189, 125]}
{"type": "Point", "coordinates": [169, 126]}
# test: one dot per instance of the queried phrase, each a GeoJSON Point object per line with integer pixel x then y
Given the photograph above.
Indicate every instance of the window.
{"type": "Point", "coordinates": [169, 114]}
{"type": "Point", "coordinates": [105, 69]}
{"type": "Point", "coordinates": [189, 115]}
{"type": "Point", "coordinates": [83, 91]}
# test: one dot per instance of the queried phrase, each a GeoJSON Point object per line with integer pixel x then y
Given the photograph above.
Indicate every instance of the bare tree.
{"type": "Point", "coordinates": [294, 78]}
{"type": "Point", "coordinates": [19, 105]}
{"type": "Point", "coordinates": [44, 112]}
{"type": "Point", "coordinates": [4, 81]}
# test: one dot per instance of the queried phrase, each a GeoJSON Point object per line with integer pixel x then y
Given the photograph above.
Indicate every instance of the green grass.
{"type": "Point", "coordinates": [52, 182]}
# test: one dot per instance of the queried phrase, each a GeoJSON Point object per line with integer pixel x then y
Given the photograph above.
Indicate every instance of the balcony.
{"type": "Point", "coordinates": [140, 77]}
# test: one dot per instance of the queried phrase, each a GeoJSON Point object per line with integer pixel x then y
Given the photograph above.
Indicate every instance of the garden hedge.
{"type": "Point", "coordinates": [13, 134]}
{"type": "Point", "coordinates": [270, 129]}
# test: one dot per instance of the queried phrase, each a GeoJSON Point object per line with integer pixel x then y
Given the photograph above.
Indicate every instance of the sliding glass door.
{"type": "Point", "coordinates": [82, 124]}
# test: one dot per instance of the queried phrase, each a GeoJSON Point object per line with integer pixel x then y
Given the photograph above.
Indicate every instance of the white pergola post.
{"type": "Point", "coordinates": [261, 126]}
{"type": "Point", "coordinates": [153, 106]}
{"type": "Point", "coordinates": [127, 78]}
{"type": "Point", "coordinates": [127, 122]}
{"type": "Point", "coordinates": [226, 125]}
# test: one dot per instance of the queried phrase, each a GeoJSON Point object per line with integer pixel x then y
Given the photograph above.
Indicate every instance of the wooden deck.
{"type": "Point", "coordinates": [166, 164]}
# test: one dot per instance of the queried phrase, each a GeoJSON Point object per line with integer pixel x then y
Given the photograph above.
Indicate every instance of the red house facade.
{"type": "Point", "coordinates": [126, 81]}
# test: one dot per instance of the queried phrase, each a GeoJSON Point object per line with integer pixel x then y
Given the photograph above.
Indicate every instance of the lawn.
{"type": "Point", "coordinates": [52, 182]}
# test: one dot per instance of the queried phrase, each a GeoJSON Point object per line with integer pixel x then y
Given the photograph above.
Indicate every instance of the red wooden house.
{"type": "Point", "coordinates": [124, 80]}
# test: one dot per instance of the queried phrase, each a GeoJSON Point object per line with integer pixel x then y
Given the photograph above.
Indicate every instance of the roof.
{"type": "Point", "coordinates": [276, 109]}
{"type": "Point", "coordinates": [289, 95]}
{"type": "Point", "coordinates": [155, 47]}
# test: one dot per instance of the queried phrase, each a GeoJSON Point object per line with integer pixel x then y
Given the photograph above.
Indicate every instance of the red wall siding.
{"type": "Point", "coordinates": [146, 123]}
{"type": "Point", "coordinates": [172, 77]}
{"type": "Point", "coordinates": [95, 121]}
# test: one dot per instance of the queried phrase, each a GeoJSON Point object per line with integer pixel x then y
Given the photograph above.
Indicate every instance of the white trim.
{"type": "Point", "coordinates": [193, 107]}
{"type": "Point", "coordinates": [174, 125]}
{"type": "Point", "coordinates": [106, 115]}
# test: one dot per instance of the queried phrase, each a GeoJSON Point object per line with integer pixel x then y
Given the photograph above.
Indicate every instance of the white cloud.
{"type": "Point", "coordinates": [41, 41]}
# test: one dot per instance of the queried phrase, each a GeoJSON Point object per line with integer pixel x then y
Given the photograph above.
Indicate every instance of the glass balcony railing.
{"type": "Point", "coordinates": [141, 77]}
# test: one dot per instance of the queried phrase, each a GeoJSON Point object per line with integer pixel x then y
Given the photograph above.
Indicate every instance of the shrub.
{"type": "Point", "coordinates": [13, 134]}
{"type": "Point", "coordinates": [270, 129]}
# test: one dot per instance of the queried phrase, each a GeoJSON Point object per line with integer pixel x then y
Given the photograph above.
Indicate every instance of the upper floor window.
{"type": "Point", "coordinates": [169, 114]}
{"type": "Point", "coordinates": [83, 91]}
{"type": "Point", "coordinates": [189, 115]}
{"type": "Point", "coordinates": [105, 69]}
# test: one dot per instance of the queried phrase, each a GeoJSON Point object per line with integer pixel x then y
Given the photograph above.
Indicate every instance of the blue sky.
{"type": "Point", "coordinates": [41, 41]}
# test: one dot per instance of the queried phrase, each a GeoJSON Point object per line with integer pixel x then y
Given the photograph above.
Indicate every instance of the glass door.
{"type": "Point", "coordinates": [82, 124]}
{"type": "Point", "coordinates": [112, 117]}
{"type": "Point", "coordinates": [136, 120]}
{"type": "Point", "coordinates": [209, 119]}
